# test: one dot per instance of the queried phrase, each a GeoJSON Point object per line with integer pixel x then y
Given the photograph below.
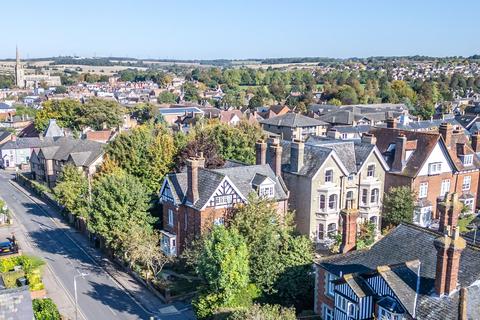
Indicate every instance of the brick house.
{"type": "Point", "coordinates": [411, 273]}
{"type": "Point", "coordinates": [194, 200]}
{"type": "Point", "coordinates": [47, 162]}
{"type": "Point", "coordinates": [322, 174]}
{"type": "Point", "coordinates": [431, 164]}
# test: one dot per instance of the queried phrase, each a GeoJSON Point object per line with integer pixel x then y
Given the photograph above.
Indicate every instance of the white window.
{"type": "Point", "coordinates": [445, 187]}
{"type": "Point", "coordinates": [266, 191]}
{"type": "Point", "coordinates": [321, 231]}
{"type": "Point", "coordinates": [219, 221]}
{"type": "Point", "coordinates": [469, 204]}
{"type": "Point", "coordinates": [327, 313]}
{"type": "Point", "coordinates": [467, 181]}
{"type": "Point", "coordinates": [374, 196]}
{"type": "Point", "coordinates": [422, 193]}
{"type": "Point", "coordinates": [468, 159]}
{"type": "Point", "coordinates": [321, 202]}
{"type": "Point", "coordinates": [345, 305]}
{"type": "Point", "coordinates": [332, 230]}
{"type": "Point", "coordinates": [330, 286]}
{"type": "Point", "coordinates": [332, 201]}
{"type": "Point", "coordinates": [371, 170]}
{"type": "Point", "coordinates": [329, 175]}
{"type": "Point", "coordinates": [344, 136]}
{"type": "Point", "coordinates": [384, 314]}
{"type": "Point", "coordinates": [434, 168]}
{"type": "Point", "coordinates": [350, 177]}
{"type": "Point", "coordinates": [170, 217]}
{"type": "Point", "coordinates": [365, 196]}
{"type": "Point", "coordinates": [223, 200]}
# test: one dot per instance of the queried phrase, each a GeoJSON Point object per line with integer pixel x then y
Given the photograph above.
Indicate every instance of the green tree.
{"type": "Point", "coordinates": [398, 206]}
{"type": "Point", "coordinates": [347, 95]}
{"type": "Point", "coordinates": [190, 92]}
{"type": "Point", "coordinates": [223, 264]}
{"type": "Point", "coordinates": [145, 152]}
{"type": "Point", "coordinates": [119, 201]}
{"type": "Point", "coordinates": [72, 191]}
{"type": "Point", "coordinates": [61, 89]}
{"type": "Point", "coordinates": [65, 111]}
{"type": "Point", "coordinates": [45, 309]}
{"type": "Point", "coordinates": [100, 113]}
{"type": "Point", "coordinates": [167, 97]}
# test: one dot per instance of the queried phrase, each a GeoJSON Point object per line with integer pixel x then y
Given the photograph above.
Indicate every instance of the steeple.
{"type": "Point", "coordinates": [17, 56]}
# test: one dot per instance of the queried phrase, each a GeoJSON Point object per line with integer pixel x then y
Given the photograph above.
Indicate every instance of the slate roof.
{"type": "Point", "coordinates": [425, 125]}
{"type": "Point", "coordinates": [53, 130]}
{"type": "Point", "coordinates": [16, 304]}
{"type": "Point", "coordinates": [179, 111]}
{"type": "Point", "coordinates": [405, 243]}
{"type": "Point", "coordinates": [80, 152]}
{"type": "Point", "coordinates": [353, 129]}
{"type": "Point", "coordinates": [293, 120]}
{"type": "Point", "coordinates": [352, 154]}
{"type": "Point", "coordinates": [242, 176]}
{"type": "Point", "coordinates": [387, 136]}
{"type": "Point", "coordinates": [4, 134]}
{"type": "Point", "coordinates": [26, 143]}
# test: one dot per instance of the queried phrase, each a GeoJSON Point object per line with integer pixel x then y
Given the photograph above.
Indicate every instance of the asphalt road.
{"type": "Point", "coordinates": [99, 296]}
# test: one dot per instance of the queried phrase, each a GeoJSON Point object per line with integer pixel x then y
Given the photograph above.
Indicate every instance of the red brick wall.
{"type": "Point", "coordinates": [320, 289]}
{"type": "Point", "coordinates": [473, 185]}
{"type": "Point", "coordinates": [434, 187]}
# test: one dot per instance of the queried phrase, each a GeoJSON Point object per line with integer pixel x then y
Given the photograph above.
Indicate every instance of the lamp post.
{"type": "Point", "coordinates": [75, 290]}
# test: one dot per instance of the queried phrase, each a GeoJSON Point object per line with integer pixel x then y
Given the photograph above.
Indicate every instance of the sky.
{"type": "Point", "coordinates": [234, 29]}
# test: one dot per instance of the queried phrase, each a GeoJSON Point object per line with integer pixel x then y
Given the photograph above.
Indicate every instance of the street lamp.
{"type": "Point", "coordinates": [75, 290]}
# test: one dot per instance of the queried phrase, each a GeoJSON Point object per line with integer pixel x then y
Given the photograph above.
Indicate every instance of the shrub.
{"type": "Point", "coordinates": [8, 264]}
{"type": "Point", "coordinates": [10, 278]}
{"type": "Point", "coordinates": [45, 309]}
{"type": "Point", "coordinates": [264, 312]}
{"type": "Point", "coordinates": [35, 281]}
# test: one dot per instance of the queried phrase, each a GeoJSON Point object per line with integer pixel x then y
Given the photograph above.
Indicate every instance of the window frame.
{"type": "Point", "coordinates": [374, 195]}
{"type": "Point", "coordinates": [364, 197]}
{"type": "Point", "coordinates": [329, 177]}
{"type": "Point", "coordinates": [433, 170]}
{"type": "Point", "coordinates": [443, 189]}
{"type": "Point", "coordinates": [371, 171]}
{"type": "Point", "coordinates": [333, 202]}
{"type": "Point", "coordinates": [468, 162]}
{"type": "Point", "coordinates": [170, 217]}
{"type": "Point", "coordinates": [322, 202]}
{"type": "Point", "coordinates": [422, 190]}
{"type": "Point", "coordinates": [467, 181]}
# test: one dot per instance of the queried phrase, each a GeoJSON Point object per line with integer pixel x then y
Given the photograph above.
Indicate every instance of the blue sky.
{"type": "Point", "coordinates": [210, 29]}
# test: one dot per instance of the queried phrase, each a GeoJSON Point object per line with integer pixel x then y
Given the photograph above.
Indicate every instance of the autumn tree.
{"type": "Point", "coordinates": [398, 206]}
{"type": "Point", "coordinates": [65, 111]}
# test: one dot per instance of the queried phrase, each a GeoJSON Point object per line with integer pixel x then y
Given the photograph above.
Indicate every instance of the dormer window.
{"type": "Point", "coordinates": [266, 191]}
{"type": "Point", "coordinates": [468, 159]}
{"type": "Point", "coordinates": [434, 168]}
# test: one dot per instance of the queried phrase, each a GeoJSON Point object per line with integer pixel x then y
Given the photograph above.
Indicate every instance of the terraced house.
{"type": "Point", "coordinates": [432, 165]}
{"type": "Point", "coordinates": [323, 175]}
{"type": "Point", "coordinates": [199, 198]}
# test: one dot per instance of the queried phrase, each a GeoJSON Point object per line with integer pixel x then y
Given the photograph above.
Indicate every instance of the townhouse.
{"type": "Point", "coordinates": [323, 176]}
{"type": "Point", "coordinates": [411, 273]}
{"type": "Point", "coordinates": [431, 164]}
{"type": "Point", "coordinates": [195, 200]}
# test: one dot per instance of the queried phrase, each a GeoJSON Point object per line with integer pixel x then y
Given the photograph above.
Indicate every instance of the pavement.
{"type": "Point", "coordinates": [106, 292]}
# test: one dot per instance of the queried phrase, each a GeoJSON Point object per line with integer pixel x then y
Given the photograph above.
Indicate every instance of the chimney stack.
{"type": "Point", "coordinates": [297, 151]}
{"type": "Point", "coordinates": [400, 150]}
{"type": "Point", "coordinates": [446, 130]}
{"type": "Point", "coordinates": [261, 152]}
{"type": "Point", "coordinates": [192, 177]}
{"type": "Point", "coordinates": [369, 138]}
{"type": "Point", "coordinates": [476, 142]}
{"type": "Point", "coordinates": [449, 250]}
{"type": "Point", "coordinates": [349, 227]}
{"type": "Point", "coordinates": [391, 123]}
{"type": "Point", "coordinates": [274, 157]}
{"type": "Point", "coordinates": [449, 211]}
{"type": "Point", "coordinates": [13, 137]}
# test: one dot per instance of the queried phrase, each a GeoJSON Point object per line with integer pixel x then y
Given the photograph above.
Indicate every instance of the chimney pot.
{"type": "Point", "coordinates": [400, 152]}
{"type": "Point", "coordinates": [261, 152]}
{"type": "Point", "coordinates": [446, 130]}
{"type": "Point", "coordinates": [369, 138]}
{"type": "Point", "coordinates": [297, 151]}
{"type": "Point", "coordinates": [391, 123]}
{"type": "Point", "coordinates": [192, 179]}
{"type": "Point", "coordinates": [349, 227]}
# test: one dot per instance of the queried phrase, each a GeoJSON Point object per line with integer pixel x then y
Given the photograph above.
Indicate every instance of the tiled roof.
{"type": "Point", "coordinates": [458, 142]}
{"type": "Point", "coordinates": [81, 152]}
{"type": "Point", "coordinates": [409, 243]}
{"type": "Point", "coordinates": [293, 120]}
{"type": "Point", "coordinates": [209, 180]}
{"type": "Point", "coordinates": [26, 143]}
{"type": "Point", "coordinates": [99, 136]}
{"type": "Point", "coordinates": [387, 136]}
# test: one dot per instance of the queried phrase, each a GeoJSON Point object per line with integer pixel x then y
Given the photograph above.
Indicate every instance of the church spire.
{"type": "Point", "coordinates": [17, 55]}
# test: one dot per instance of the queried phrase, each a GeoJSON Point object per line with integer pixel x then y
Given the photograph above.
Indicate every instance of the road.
{"type": "Point", "coordinates": [68, 253]}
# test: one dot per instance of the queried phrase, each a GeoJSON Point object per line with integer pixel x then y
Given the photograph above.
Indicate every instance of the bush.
{"type": "Point", "coordinates": [35, 281]}
{"type": "Point", "coordinates": [45, 309]}
{"type": "Point", "coordinates": [10, 278]}
{"type": "Point", "coordinates": [264, 312]}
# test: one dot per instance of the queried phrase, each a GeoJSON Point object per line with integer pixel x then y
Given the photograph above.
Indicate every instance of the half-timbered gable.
{"type": "Point", "coordinates": [166, 194]}
{"type": "Point", "coordinates": [226, 195]}
{"type": "Point", "coordinates": [353, 298]}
